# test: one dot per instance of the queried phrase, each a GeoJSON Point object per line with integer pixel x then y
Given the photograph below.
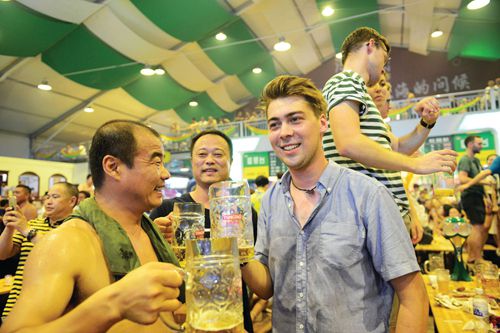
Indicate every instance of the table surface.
{"type": "Point", "coordinates": [4, 289]}
{"type": "Point", "coordinates": [441, 244]}
{"type": "Point", "coordinates": [448, 320]}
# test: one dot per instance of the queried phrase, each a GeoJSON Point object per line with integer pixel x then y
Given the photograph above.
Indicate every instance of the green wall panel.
{"type": "Point", "coordinates": [235, 58]}
{"type": "Point", "coordinates": [25, 33]}
{"type": "Point", "coordinates": [187, 20]}
{"type": "Point", "coordinates": [83, 51]}
{"type": "Point", "coordinates": [256, 82]}
{"type": "Point", "coordinates": [475, 33]}
{"type": "Point", "coordinates": [345, 9]}
{"type": "Point", "coordinates": [159, 92]}
{"type": "Point", "coordinates": [206, 107]}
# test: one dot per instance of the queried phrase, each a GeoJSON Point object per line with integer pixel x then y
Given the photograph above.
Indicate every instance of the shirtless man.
{"type": "Point", "coordinates": [100, 271]}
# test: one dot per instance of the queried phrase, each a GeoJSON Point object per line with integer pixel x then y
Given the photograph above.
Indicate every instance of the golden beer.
{"type": "Point", "coordinates": [180, 253]}
{"type": "Point", "coordinates": [214, 323]}
{"type": "Point", "coordinates": [246, 253]}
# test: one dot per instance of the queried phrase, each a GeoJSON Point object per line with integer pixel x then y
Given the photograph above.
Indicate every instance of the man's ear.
{"type": "Point", "coordinates": [112, 166]}
{"type": "Point", "coordinates": [370, 46]}
{"type": "Point", "coordinates": [323, 121]}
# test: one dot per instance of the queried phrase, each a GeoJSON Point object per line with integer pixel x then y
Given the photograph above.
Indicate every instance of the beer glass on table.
{"type": "Point", "coordinates": [188, 223]}
{"type": "Point", "coordinates": [231, 215]}
{"type": "Point", "coordinates": [213, 286]}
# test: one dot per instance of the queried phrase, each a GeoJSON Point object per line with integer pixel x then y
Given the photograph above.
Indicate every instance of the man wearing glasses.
{"type": "Point", "coordinates": [357, 137]}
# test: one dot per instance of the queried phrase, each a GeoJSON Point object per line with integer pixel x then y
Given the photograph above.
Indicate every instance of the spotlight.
{"type": "Point", "coordinates": [327, 11]}
{"type": "Point", "coordinates": [221, 36]}
{"type": "Point", "coordinates": [147, 71]}
{"type": "Point", "coordinates": [193, 103]}
{"type": "Point", "coordinates": [476, 4]}
{"type": "Point", "coordinates": [159, 71]}
{"type": "Point", "coordinates": [88, 109]}
{"type": "Point", "coordinates": [257, 70]}
{"type": "Point", "coordinates": [282, 45]}
{"type": "Point", "coordinates": [44, 85]}
{"type": "Point", "coordinates": [436, 33]}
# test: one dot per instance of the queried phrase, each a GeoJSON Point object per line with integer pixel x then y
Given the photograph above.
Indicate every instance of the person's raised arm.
{"type": "Point", "coordinates": [467, 182]}
{"type": "Point", "coordinates": [413, 311]}
{"type": "Point", "coordinates": [350, 142]}
{"type": "Point", "coordinates": [55, 271]}
{"type": "Point", "coordinates": [428, 109]}
{"type": "Point", "coordinates": [13, 221]}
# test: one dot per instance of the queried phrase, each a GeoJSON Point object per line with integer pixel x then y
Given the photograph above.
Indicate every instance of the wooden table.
{"type": "Point", "coordinates": [4, 289]}
{"type": "Point", "coordinates": [448, 320]}
{"type": "Point", "coordinates": [441, 244]}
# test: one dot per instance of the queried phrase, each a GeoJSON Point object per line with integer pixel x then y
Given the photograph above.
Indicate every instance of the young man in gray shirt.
{"type": "Point", "coordinates": [331, 245]}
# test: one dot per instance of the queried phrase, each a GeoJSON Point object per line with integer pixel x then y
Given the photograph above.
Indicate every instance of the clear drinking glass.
{"type": "Point", "coordinates": [443, 280]}
{"type": "Point", "coordinates": [231, 215]}
{"type": "Point", "coordinates": [213, 286]}
{"type": "Point", "coordinates": [435, 261]}
{"type": "Point", "coordinates": [489, 279]}
{"type": "Point", "coordinates": [189, 223]}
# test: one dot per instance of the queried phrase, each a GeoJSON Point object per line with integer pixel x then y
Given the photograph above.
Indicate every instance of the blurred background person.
{"type": "Point", "coordinates": [262, 183]}
{"type": "Point", "coordinates": [20, 234]}
{"type": "Point", "coordinates": [23, 197]}
{"type": "Point", "coordinates": [88, 185]}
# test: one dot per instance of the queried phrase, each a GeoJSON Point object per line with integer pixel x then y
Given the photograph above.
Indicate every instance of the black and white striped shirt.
{"type": "Point", "coordinates": [349, 85]}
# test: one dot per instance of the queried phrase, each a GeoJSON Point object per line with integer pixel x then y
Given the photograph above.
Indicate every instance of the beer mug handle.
{"type": "Point", "coordinates": [426, 266]}
{"type": "Point", "coordinates": [168, 319]}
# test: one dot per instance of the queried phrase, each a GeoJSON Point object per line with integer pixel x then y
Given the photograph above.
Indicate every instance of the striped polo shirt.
{"type": "Point", "coordinates": [349, 85]}
{"type": "Point", "coordinates": [43, 226]}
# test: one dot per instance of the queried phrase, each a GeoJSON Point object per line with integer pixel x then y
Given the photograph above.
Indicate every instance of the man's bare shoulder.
{"type": "Point", "coordinates": [75, 238]}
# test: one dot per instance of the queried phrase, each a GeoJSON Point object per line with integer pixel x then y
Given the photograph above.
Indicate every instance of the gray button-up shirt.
{"type": "Point", "coordinates": [333, 274]}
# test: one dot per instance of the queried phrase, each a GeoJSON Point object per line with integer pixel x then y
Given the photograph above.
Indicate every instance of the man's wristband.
{"type": "Point", "coordinates": [425, 125]}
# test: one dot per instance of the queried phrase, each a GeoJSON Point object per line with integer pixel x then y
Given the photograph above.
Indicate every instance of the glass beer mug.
{"type": "Point", "coordinates": [188, 223]}
{"type": "Point", "coordinates": [213, 286]}
{"type": "Point", "coordinates": [231, 215]}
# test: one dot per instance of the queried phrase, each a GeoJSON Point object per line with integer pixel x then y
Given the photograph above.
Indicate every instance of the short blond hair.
{"type": "Point", "coordinates": [289, 85]}
{"type": "Point", "coordinates": [355, 40]}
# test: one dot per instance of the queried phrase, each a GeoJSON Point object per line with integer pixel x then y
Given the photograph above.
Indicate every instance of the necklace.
{"type": "Point", "coordinates": [307, 190]}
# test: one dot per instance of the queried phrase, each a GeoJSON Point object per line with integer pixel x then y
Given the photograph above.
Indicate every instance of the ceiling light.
{"type": "Point", "coordinates": [257, 70]}
{"type": "Point", "coordinates": [282, 45]}
{"type": "Point", "coordinates": [44, 85]}
{"type": "Point", "coordinates": [193, 103]}
{"type": "Point", "coordinates": [436, 33]}
{"type": "Point", "coordinates": [221, 36]}
{"type": "Point", "coordinates": [476, 4]}
{"type": "Point", "coordinates": [338, 55]}
{"type": "Point", "coordinates": [327, 11]}
{"type": "Point", "coordinates": [147, 71]}
{"type": "Point", "coordinates": [159, 71]}
{"type": "Point", "coordinates": [88, 109]}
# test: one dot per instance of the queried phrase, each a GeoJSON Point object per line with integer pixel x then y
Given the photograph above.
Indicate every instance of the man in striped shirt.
{"type": "Point", "coordinates": [357, 137]}
{"type": "Point", "coordinates": [20, 235]}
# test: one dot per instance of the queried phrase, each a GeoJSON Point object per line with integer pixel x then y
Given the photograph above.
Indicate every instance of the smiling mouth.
{"type": "Point", "coordinates": [210, 170]}
{"type": "Point", "coordinates": [290, 147]}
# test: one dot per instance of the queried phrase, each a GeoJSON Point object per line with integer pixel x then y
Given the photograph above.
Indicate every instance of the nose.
{"type": "Point", "coordinates": [286, 130]}
{"type": "Point", "coordinates": [164, 173]}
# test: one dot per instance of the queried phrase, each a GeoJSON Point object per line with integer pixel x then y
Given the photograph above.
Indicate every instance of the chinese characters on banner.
{"type": "Point", "coordinates": [441, 85]}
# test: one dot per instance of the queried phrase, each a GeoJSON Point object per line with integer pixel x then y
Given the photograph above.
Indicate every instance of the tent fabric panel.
{"type": "Point", "coordinates": [25, 33]}
{"type": "Point", "coordinates": [256, 82]}
{"type": "Point", "coordinates": [229, 55]}
{"type": "Point", "coordinates": [158, 92]}
{"type": "Point", "coordinates": [187, 20]}
{"type": "Point", "coordinates": [83, 51]}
